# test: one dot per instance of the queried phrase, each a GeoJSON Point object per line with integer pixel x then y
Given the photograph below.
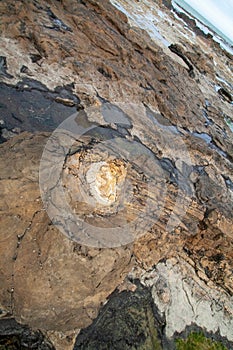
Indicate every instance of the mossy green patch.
{"type": "Point", "coordinates": [229, 122]}
{"type": "Point", "coordinates": [197, 341]}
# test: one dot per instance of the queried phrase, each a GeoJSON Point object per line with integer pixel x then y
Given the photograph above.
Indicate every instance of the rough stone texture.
{"type": "Point", "coordinates": [45, 276]}
{"type": "Point", "coordinates": [48, 281]}
{"type": "Point", "coordinates": [31, 106]}
{"type": "Point", "coordinates": [182, 304]}
{"type": "Point", "coordinates": [128, 314]}
{"type": "Point", "coordinates": [14, 336]}
{"type": "Point", "coordinates": [183, 298]}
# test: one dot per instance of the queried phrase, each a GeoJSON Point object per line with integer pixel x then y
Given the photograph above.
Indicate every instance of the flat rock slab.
{"type": "Point", "coordinates": [47, 280]}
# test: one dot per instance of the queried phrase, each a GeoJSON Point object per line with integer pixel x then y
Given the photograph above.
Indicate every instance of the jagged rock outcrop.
{"type": "Point", "coordinates": [147, 155]}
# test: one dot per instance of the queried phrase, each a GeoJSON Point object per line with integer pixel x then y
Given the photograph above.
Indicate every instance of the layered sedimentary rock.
{"type": "Point", "coordinates": [144, 165]}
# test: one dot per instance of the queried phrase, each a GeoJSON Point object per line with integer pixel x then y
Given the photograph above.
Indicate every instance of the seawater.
{"type": "Point", "coordinates": [225, 42]}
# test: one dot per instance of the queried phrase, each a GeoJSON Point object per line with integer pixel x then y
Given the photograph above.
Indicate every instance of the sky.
{"type": "Point", "coordinates": [218, 12]}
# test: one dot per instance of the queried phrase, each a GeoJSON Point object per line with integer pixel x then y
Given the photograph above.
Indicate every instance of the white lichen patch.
{"type": "Point", "coordinates": [105, 180]}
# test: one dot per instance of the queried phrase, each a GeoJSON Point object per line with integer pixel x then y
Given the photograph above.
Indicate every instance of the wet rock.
{"type": "Point", "coordinates": [24, 69]}
{"type": "Point", "coordinates": [178, 51]}
{"type": "Point", "coordinates": [35, 57]}
{"type": "Point", "coordinates": [3, 68]}
{"type": "Point", "coordinates": [31, 106]}
{"type": "Point", "coordinates": [167, 3]}
{"type": "Point", "coordinates": [57, 23]}
{"type": "Point", "coordinates": [225, 94]}
{"type": "Point", "coordinates": [127, 321]}
{"type": "Point", "coordinates": [7, 134]}
{"type": "Point", "coordinates": [16, 336]}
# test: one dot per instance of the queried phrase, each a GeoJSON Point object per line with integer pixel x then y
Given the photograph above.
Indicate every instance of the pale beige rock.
{"type": "Point", "coordinates": [47, 281]}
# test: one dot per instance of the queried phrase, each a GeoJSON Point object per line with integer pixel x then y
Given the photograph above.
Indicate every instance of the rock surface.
{"type": "Point", "coordinates": [184, 299]}
{"type": "Point", "coordinates": [166, 306]}
{"type": "Point", "coordinates": [134, 316]}
{"type": "Point", "coordinates": [37, 288]}
{"type": "Point", "coordinates": [160, 146]}
{"type": "Point", "coordinates": [14, 336]}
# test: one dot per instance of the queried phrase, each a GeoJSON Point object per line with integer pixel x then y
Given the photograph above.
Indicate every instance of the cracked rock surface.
{"type": "Point", "coordinates": [157, 146]}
